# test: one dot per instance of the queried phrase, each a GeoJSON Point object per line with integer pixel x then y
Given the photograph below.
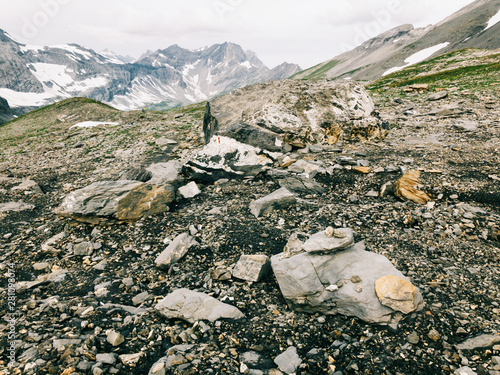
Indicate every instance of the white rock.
{"type": "Point", "coordinates": [288, 361]}
{"type": "Point", "coordinates": [190, 190]}
{"type": "Point", "coordinates": [193, 306]}
{"type": "Point", "coordinates": [176, 250]}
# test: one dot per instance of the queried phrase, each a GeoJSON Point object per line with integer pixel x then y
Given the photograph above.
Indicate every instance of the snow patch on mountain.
{"type": "Point", "coordinates": [493, 21]}
{"type": "Point", "coordinates": [418, 57]}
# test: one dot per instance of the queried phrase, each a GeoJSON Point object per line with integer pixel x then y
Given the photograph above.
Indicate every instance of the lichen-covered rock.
{"type": "Point", "coordinates": [396, 293]}
{"type": "Point", "coordinates": [122, 200]}
{"type": "Point", "coordinates": [405, 188]}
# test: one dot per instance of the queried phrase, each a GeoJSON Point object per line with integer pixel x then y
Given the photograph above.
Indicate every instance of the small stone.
{"type": "Point", "coordinates": [130, 360]}
{"type": "Point", "coordinates": [190, 190]}
{"type": "Point", "coordinates": [288, 361]}
{"type": "Point", "coordinates": [41, 266]}
{"type": "Point", "coordinates": [176, 250]}
{"type": "Point", "coordinates": [355, 279]}
{"type": "Point", "coordinates": [115, 338]}
{"type": "Point", "coordinates": [413, 338]}
{"type": "Point", "coordinates": [464, 371]}
{"type": "Point", "coordinates": [362, 170]}
{"type": "Point", "coordinates": [106, 358]}
{"type": "Point", "coordinates": [141, 298]}
{"type": "Point", "coordinates": [434, 335]}
{"type": "Point", "coordinates": [252, 267]}
{"type": "Point", "coordinates": [83, 249]}
{"type": "Point", "coordinates": [280, 199]}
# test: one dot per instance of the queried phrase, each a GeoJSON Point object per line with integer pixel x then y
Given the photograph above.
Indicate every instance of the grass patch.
{"type": "Point", "coordinates": [318, 71]}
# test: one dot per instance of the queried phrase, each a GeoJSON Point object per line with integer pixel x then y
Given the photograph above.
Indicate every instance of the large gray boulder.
{"type": "Point", "coordinates": [339, 283]}
{"type": "Point", "coordinates": [225, 157]}
{"type": "Point", "coordinates": [271, 114]}
{"type": "Point", "coordinates": [122, 200]}
{"type": "Point", "coordinates": [194, 306]}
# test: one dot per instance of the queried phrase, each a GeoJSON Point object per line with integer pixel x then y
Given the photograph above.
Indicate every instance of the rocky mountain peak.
{"type": "Point", "coordinates": [158, 79]}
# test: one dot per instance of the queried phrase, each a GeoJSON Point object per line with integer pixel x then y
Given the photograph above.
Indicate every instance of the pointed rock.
{"type": "Point", "coordinates": [176, 250]}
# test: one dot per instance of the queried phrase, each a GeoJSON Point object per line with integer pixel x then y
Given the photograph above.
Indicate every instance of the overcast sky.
{"type": "Point", "coordinates": [302, 32]}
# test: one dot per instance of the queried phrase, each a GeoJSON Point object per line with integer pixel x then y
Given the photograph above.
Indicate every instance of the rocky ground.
{"type": "Point", "coordinates": [94, 313]}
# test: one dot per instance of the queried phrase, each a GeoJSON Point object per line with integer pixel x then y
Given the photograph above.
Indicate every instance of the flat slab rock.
{"type": "Point", "coordinates": [15, 207]}
{"type": "Point", "coordinates": [194, 306]}
{"type": "Point", "coordinates": [121, 200]}
{"type": "Point", "coordinates": [340, 283]}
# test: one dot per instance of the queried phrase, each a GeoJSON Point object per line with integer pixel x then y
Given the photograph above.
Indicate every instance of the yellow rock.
{"type": "Point", "coordinates": [405, 188]}
{"type": "Point", "coordinates": [363, 170]}
{"type": "Point", "coordinates": [396, 293]}
{"type": "Point", "coordinates": [145, 199]}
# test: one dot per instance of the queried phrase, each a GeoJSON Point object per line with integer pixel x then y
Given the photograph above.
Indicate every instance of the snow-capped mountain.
{"type": "Point", "coordinates": [32, 76]}
{"type": "Point", "coordinates": [475, 26]}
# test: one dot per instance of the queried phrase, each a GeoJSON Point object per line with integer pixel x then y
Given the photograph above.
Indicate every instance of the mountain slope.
{"type": "Point", "coordinates": [472, 26]}
{"type": "Point", "coordinates": [32, 76]}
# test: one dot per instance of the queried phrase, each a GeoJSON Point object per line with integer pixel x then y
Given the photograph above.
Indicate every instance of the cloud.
{"type": "Point", "coordinates": [297, 31]}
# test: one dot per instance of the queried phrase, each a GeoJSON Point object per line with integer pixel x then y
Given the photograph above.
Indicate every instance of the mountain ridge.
{"type": "Point", "coordinates": [36, 76]}
{"type": "Point", "coordinates": [391, 50]}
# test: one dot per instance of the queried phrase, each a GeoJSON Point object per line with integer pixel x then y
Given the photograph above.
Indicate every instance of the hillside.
{"type": "Point", "coordinates": [404, 45]}
{"type": "Point", "coordinates": [92, 292]}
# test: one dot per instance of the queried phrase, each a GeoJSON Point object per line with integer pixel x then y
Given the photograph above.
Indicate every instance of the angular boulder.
{"type": "Point", "coordinates": [396, 293]}
{"type": "Point", "coordinates": [252, 267]}
{"type": "Point", "coordinates": [338, 283]}
{"type": "Point", "coordinates": [194, 306]}
{"type": "Point", "coordinates": [166, 173]}
{"type": "Point", "coordinates": [272, 114]}
{"type": "Point", "coordinates": [281, 198]}
{"type": "Point", "coordinates": [122, 200]}
{"type": "Point", "coordinates": [225, 157]}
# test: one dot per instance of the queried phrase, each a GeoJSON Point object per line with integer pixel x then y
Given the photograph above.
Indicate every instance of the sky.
{"type": "Point", "coordinates": [301, 32]}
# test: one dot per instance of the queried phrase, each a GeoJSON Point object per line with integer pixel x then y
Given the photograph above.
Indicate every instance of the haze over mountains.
{"type": "Point", "coordinates": [32, 76]}
{"type": "Point", "coordinates": [474, 26]}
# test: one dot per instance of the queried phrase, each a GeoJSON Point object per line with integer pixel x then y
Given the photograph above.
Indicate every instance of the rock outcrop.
{"type": "Point", "coordinates": [225, 157]}
{"type": "Point", "coordinates": [298, 113]}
